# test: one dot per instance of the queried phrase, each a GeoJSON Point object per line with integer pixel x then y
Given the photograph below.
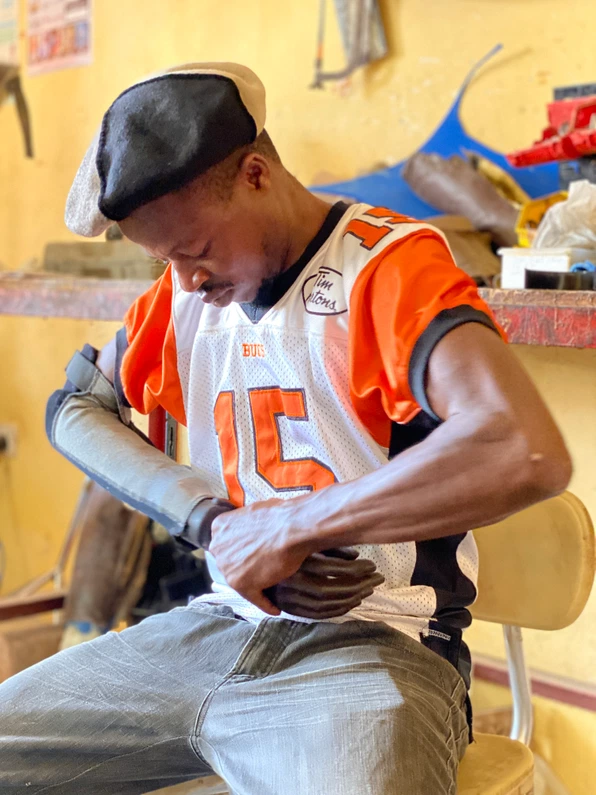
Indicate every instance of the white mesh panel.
{"type": "Point", "coordinates": [467, 557]}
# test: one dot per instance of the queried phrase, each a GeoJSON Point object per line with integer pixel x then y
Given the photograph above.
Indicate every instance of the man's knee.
{"type": "Point", "coordinates": [405, 739]}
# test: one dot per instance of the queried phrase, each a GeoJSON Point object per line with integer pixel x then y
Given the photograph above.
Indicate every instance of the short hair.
{"type": "Point", "coordinates": [218, 181]}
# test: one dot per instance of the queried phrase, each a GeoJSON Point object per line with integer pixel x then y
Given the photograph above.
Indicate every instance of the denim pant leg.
{"type": "Point", "coordinates": [117, 714]}
{"type": "Point", "coordinates": [336, 709]}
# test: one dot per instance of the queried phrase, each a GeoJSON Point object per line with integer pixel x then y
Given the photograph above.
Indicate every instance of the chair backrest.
{"type": "Point", "coordinates": [536, 568]}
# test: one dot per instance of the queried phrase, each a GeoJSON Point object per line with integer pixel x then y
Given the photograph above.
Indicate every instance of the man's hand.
{"type": "Point", "coordinates": [257, 552]}
{"type": "Point", "coordinates": [254, 548]}
{"type": "Point", "coordinates": [328, 584]}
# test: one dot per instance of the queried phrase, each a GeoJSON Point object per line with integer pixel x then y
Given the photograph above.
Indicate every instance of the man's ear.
{"type": "Point", "coordinates": [255, 171]}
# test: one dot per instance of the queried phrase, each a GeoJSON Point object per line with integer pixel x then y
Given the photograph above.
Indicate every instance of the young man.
{"type": "Point", "coordinates": [343, 385]}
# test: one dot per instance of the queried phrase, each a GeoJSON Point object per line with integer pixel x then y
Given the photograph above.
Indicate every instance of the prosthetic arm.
{"type": "Point", "coordinates": [88, 421]}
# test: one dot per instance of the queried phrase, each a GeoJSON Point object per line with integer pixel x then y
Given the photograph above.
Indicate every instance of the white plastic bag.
{"type": "Point", "coordinates": [571, 223]}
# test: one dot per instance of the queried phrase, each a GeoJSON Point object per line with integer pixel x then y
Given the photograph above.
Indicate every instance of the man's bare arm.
{"type": "Point", "coordinates": [497, 451]}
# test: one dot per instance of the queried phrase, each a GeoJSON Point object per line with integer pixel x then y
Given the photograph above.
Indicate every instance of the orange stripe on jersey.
{"type": "Point", "coordinates": [225, 425]}
{"type": "Point", "coordinates": [150, 365]}
{"type": "Point", "coordinates": [394, 299]}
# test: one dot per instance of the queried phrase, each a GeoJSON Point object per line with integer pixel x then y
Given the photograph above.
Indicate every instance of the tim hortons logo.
{"type": "Point", "coordinates": [253, 349]}
{"type": "Point", "coordinates": [323, 293]}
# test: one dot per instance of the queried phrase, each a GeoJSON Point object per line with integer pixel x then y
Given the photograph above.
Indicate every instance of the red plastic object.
{"type": "Point", "coordinates": [157, 428]}
{"type": "Point", "coordinates": [571, 134]}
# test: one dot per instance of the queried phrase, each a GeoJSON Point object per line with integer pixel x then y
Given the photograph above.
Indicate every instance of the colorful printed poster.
{"type": "Point", "coordinates": [9, 33]}
{"type": "Point", "coordinates": [58, 34]}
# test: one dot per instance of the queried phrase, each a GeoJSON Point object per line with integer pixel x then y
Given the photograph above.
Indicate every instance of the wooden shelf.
{"type": "Point", "coordinates": [42, 295]}
{"type": "Point", "coordinates": [555, 318]}
{"type": "Point", "coordinates": [530, 317]}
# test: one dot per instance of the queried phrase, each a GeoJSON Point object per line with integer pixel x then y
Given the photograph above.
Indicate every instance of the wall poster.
{"type": "Point", "coordinates": [9, 33]}
{"type": "Point", "coordinates": [58, 34]}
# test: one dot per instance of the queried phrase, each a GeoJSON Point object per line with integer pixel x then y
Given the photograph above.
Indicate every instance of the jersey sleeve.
{"type": "Point", "coordinates": [149, 369]}
{"type": "Point", "coordinates": [403, 302]}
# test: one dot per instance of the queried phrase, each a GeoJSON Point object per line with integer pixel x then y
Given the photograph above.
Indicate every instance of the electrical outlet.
{"type": "Point", "coordinates": [8, 439]}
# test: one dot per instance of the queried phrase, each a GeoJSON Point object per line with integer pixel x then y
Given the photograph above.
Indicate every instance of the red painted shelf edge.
{"type": "Point", "coordinates": [38, 295]}
{"type": "Point", "coordinates": [530, 317]}
{"type": "Point", "coordinates": [552, 318]}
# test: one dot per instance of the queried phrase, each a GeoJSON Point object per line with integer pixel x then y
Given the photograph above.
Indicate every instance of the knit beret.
{"type": "Point", "coordinates": [159, 135]}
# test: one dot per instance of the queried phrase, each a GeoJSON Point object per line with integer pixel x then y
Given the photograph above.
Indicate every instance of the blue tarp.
{"type": "Point", "coordinates": [387, 188]}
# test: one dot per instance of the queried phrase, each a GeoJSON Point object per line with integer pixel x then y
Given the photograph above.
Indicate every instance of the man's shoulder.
{"type": "Point", "coordinates": [369, 230]}
{"type": "Point", "coordinates": [366, 234]}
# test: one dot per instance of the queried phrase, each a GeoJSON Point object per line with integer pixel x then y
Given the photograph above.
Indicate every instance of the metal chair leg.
{"type": "Point", "coordinates": [523, 714]}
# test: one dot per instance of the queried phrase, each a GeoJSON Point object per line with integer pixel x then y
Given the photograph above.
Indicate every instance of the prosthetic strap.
{"type": "Point", "coordinates": [89, 423]}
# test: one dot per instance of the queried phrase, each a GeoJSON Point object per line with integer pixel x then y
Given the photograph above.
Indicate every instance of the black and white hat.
{"type": "Point", "coordinates": [160, 134]}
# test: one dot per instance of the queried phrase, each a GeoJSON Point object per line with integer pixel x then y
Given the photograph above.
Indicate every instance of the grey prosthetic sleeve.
{"type": "Point", "coordinates": [89, 423]}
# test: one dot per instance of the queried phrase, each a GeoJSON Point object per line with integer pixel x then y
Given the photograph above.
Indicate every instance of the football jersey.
{"type": "Point", "coordinates": [322, 386]}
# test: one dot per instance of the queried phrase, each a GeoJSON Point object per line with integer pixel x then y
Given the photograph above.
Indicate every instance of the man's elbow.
{"type": "Point", "coordinates": [547, 468]}
{"type": "Point", "coordinates": [534, 464]}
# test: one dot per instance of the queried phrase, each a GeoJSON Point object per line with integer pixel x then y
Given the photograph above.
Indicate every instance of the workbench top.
{"type": "Point", "coordinates": [557, 318]}
{"type": "Point", "coordinates": [51, 295]}
{"type": "Point", "coordinates": [530, 317]}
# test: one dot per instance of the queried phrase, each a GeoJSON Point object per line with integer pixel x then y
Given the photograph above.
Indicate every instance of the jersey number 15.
{"type": "Point", "coordinates": [266, 405]}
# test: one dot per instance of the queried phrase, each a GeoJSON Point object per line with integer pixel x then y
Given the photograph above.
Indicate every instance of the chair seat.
{"type": "Point", "coordinates": [495, 765]}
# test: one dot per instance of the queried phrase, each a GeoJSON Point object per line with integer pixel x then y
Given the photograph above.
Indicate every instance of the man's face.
{"type": "Point", "coordinates": [221, 250]}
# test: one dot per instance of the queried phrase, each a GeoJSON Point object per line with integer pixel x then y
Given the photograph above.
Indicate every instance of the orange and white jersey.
{"type": "Point", "coordinates": [322, 386]}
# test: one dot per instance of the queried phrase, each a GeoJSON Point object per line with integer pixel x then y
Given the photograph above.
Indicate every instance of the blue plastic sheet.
{"type": "Point", "coordinates": [387, 188]}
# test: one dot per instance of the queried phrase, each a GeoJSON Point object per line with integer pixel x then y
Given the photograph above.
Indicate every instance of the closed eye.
{"type": "Point", "coordinates": [205, 250]}
{"type": "Point", "coordinates": [204, 253]}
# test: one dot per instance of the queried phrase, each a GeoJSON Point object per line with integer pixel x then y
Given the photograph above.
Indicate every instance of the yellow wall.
{"type": "Point", "coordinates": [567, 380]}
{"type": "Point", "coordinates": [38, 488]}
{"type": "Point", "coordinates": [385, 114]}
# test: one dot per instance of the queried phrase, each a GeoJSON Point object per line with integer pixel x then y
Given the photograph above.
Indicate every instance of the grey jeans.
{"type": "Point", "coordinates": [278, 708]}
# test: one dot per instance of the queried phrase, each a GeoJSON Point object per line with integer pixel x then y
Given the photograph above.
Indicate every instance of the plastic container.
{"type": "Point", "coordinates": [516, 261]}
{"type": "Point", "coordinates": [532, 213]}
{"type": "Point", "coordinates": [547, 280]}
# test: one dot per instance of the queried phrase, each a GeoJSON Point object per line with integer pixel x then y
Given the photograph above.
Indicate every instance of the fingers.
{"type": "Point", "coordinates": [310, 597]}
{"type": "Point", "coordinates": [328, 588]}
{"type": "Point", "coordinates": [327, 585]}
{"type": "Point", "coordinates": [345, 553]}
{"type": "Point", "coordinates": [262, 602]}
{"type": "Point", "coordinates": [322, 566]}
{"type": "Point", "coordinates": [307, 607]}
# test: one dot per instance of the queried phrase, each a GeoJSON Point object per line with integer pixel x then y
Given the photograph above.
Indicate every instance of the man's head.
{"type": "Point", "coordinates": [224, 232]}
{"type": "Point", "coordinates": [183, 164]}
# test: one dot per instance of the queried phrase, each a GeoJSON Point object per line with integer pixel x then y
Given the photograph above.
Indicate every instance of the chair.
{"type": "Point", "coordinates": [536, 571]}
